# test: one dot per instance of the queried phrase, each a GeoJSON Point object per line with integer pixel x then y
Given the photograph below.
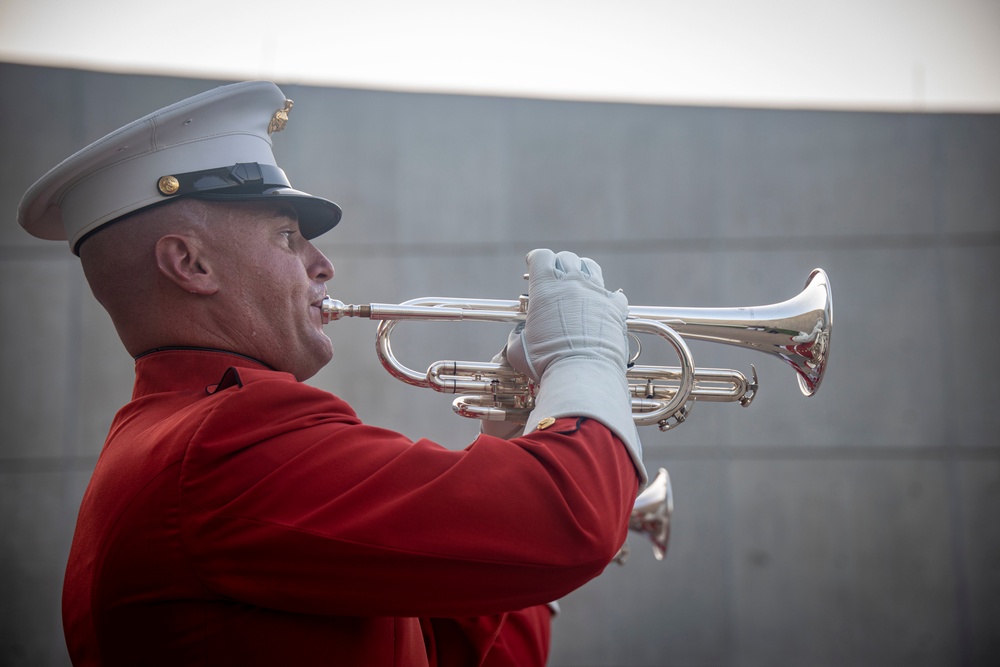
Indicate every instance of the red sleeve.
{"type": "Point", "coordinates": [303, 508]}
{"type": "Point", "coordinates": [515, 639]}
{"type": "Point", "coordinates": [523, 640]}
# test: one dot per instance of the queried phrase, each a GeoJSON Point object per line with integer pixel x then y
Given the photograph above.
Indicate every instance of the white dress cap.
{"type": "Point", "coordinates": [216, 145]}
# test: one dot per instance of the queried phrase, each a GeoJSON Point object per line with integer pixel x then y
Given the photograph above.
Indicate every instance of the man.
{"type": "Point", "coordinates": [239, 516]}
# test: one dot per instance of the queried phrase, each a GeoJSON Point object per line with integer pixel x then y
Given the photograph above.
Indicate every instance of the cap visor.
{"type": "Point", "coordinates": [316, 215]}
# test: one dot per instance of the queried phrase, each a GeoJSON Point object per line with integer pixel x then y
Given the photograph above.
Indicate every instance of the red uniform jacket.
{"type": "Point", "coordinates": [238, 517]}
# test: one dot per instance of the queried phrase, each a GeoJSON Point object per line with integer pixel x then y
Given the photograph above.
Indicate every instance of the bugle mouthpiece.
{"type": "Point", "coordinates": [334, 309]}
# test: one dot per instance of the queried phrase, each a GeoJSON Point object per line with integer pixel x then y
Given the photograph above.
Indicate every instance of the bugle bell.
{"type": "Point", "coordinates": [650, 516]}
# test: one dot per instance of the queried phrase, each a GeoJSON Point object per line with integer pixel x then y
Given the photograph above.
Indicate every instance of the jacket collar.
{"type": "Point", "coordinates": [186, 368]}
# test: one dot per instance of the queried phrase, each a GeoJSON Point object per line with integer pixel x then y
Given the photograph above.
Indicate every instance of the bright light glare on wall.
{"type": "Point", "coordinates": [890, 54]}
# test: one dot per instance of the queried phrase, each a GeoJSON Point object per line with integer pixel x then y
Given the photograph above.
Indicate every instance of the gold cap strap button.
{"type": "Point", "coordinates": [545, 423]}
{"type": "Point", "coordinates": [168, 185]}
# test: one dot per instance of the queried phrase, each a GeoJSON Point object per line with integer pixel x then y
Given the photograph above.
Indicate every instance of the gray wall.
{"type": "Point", "coordinates": [857, 527]}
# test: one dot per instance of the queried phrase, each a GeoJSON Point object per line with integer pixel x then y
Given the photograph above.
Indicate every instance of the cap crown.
{"type": "Point", "coordinates": [119, 173]}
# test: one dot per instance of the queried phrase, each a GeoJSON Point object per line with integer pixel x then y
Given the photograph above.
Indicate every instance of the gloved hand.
{"type": "Point", "coordinates": [574, 344]}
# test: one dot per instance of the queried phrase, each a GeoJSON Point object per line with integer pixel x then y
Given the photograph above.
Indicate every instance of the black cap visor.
{"type": "Point", "coordinates": [316, 215]}
{"type": "Point", "coordinates": [251, 181]}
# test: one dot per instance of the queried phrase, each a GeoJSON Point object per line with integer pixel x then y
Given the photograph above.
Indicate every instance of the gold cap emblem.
{"type": "Point", "coordinates": [280, 118]}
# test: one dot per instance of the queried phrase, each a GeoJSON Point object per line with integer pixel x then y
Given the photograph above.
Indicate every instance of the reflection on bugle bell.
{"type": "Point", "coordinates": [797, 331]}
{"type": "Point", "coordinates": [650, 516]}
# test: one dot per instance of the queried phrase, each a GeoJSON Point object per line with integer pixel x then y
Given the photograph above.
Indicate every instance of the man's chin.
{"type": "Point", "coordinates": [321, 357]}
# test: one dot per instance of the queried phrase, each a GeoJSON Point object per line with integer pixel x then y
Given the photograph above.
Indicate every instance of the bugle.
{"type": "Point", "coordinates": [797, 331]}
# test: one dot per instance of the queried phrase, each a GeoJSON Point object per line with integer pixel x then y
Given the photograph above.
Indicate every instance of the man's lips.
{"type": "Point", "coordinates": [318, 305]}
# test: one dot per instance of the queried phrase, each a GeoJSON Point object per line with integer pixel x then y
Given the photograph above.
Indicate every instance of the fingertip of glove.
{"type": "Point", "coordinates": [538, 254]}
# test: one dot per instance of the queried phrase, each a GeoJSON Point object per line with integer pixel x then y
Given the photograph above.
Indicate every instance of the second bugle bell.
{"type": "Point", "coordinates": [797, 331]}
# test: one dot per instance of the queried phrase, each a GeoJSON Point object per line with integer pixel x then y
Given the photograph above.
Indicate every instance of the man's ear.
{"type": "Point", "coordinates": [181, 260]}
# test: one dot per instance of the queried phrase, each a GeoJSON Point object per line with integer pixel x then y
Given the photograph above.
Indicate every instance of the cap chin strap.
{"type": "Point", "coordinates": [241, 178]}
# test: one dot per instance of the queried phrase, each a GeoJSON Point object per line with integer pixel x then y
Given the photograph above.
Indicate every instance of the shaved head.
{"type": "Point", "coordinates": [120, 264]}
{"type": "Point", "coordinates": [120, 257]}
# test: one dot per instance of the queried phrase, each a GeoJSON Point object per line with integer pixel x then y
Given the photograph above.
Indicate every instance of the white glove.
{"type": "Point", "coordinates": [574, 344]}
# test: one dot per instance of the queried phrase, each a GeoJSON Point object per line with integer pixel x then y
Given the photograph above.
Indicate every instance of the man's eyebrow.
{"type": "Point", "coordinates": [283, 209]}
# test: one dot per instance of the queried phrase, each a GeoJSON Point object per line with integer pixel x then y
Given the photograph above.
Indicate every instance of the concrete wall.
{"type": "Point", "coordinates": [857, 527]}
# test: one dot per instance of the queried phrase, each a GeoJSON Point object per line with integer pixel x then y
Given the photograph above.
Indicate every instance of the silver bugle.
{"type": "Point", "coordinates": [797, 331]}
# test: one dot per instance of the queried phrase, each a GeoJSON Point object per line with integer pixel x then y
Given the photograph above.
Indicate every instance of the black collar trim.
{"type": "Point", "coordinates": [193, 348]}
